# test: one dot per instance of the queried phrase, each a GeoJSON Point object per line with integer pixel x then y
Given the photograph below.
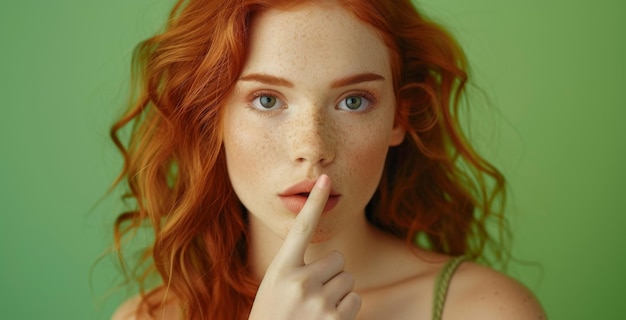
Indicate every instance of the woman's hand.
{"type": "Point", "coordinates": [319, 290]}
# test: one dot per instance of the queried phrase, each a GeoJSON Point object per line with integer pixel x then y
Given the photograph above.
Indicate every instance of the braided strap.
{"type": "Point", "coordinates": [442, 284]}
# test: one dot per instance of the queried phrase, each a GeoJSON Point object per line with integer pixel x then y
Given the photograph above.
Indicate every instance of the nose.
{"type": "Point", "coordinates": [313, 138]}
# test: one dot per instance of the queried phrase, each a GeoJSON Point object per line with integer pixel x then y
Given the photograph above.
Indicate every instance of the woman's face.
{"type": "Point", "coordinates": [315, 96]}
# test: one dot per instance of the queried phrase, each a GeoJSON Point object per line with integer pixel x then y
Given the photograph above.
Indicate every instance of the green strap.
{"type": "Point", "coordinates": [441, 286]}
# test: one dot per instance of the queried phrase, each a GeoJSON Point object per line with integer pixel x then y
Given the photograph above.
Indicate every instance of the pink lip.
{"type": "Point", "coordinates": [293, 198]}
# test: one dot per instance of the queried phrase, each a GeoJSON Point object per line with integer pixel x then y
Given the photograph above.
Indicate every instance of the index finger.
{"type": "Point", "coordinates": [297, 240]}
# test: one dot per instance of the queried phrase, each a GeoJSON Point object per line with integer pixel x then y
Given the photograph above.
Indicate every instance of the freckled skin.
{"type": "Point", "coordinates": [269, 151]}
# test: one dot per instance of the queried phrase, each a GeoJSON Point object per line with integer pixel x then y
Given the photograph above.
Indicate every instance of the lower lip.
{"type": "Point", "coordinates": [295, 203]}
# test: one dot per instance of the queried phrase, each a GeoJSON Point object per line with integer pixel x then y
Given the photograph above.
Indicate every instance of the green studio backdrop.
{"type": "Point", "coordinates": [553, 72]}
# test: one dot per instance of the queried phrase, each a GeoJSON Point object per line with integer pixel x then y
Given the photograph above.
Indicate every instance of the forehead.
{"type": "Point", "coordinates": [312, 38]}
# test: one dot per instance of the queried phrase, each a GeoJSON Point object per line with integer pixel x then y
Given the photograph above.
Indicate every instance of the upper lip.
{"type": "Point", "coordinates": [304, 186]}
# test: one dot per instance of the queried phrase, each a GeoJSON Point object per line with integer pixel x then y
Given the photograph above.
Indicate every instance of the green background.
{"type": "Point", "coordinates": [553, 71]}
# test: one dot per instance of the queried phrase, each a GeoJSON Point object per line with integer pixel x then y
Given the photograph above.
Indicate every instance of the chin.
{"type": "Point", "coordinates": [324, 232]}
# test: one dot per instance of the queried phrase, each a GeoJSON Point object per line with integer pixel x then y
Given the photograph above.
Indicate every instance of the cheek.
{"type": "Point", "coordinates": [248, 150]}
{"type": "Point", "coordinates": [365, 151]}
{"type": "Point", "coordinates": [370, 157]}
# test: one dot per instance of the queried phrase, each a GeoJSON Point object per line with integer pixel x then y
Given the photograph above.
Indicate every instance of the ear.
{"type": "Point", "coordinates": [397, 133]}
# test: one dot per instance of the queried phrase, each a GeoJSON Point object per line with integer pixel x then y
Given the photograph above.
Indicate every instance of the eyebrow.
{"type": "Point", "coordinates": [357, 78]}
{"type": "Point", "coordinates": [267, 79]}
{"type": "Point", "coordinates": [343, 82]}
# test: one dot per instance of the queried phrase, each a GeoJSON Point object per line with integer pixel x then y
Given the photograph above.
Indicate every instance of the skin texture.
{"type": "Point", "coordinates": [331, 265]}
{"type": "Point", "coordinates": [308, 134]}
{"type": "Point", "coordinates": [309, 130]}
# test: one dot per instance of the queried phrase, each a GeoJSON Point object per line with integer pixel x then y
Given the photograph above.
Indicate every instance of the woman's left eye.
{"type": "Point", "coordinates": [354, 103]}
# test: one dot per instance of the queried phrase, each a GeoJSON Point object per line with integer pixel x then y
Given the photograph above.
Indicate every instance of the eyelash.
{"type": "Point", "coordinates": [370, 98]}
{"type": "Point", "coordinates": [264, 93]}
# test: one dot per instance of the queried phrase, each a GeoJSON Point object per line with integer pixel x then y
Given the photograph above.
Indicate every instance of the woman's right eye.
{"type": "Point", "coordinates": [266, 102]}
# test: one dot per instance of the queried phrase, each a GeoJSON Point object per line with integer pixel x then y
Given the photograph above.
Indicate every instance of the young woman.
{"type": "Point", "coordinates": [289, 155]}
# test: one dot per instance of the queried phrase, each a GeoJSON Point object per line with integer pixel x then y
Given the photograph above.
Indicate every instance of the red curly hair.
{"type": "Point", "coordinates": [434, 186]}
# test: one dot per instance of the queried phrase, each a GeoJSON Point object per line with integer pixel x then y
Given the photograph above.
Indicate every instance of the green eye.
{"type": "Point", "coordinates": [267, 102]}
{"type": "Point", "coordinates": [353, 103]}
{"type": "Point", "coordinates": [356, 103]}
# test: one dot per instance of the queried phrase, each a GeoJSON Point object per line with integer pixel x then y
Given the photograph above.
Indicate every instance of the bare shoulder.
{"type": "Point", "coordinates": [134, 309]}
{"type": "Point", "coordinates": [128, 309]}
{"type": "Point", "coordinates": [478, 292]}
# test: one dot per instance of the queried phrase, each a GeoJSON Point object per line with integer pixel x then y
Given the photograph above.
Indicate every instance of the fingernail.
{"type": "Point", "coordinates": [322, 181]}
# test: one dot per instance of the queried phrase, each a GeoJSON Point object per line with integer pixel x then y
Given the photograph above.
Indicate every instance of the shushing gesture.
{"type": "Point", "coordinates": [292, 289]}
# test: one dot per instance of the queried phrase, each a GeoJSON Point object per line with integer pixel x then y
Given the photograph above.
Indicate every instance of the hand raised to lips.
{"type": "Point", "coordinates": [304, 188]}
{"type": "Point", "coordinates": [295, 197]}
{"type": "Point", "coordinates": [292, 289]}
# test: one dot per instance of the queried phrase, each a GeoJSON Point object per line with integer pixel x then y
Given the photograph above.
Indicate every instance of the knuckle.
{"type": "Point", "coordinates": [348, 279]}
{"type": "Point", "coordinates": [302, 283]}
{"type": "Point", "coordinates": [318, 302]}
{"type": "Point", "coordinates": [332, 316]}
